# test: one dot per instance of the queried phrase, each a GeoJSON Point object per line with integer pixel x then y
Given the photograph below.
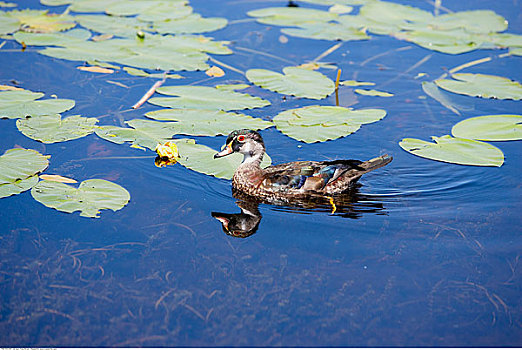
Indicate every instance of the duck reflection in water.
{"type": "Point", "coordinates": [350, 205]}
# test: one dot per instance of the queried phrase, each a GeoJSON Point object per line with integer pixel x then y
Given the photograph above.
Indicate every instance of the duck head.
{"type": "Point", "coordinates": [244, 141]}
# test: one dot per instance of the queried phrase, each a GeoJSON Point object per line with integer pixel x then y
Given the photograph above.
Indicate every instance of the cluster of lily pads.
{"type": "Point", "coordinates": [19, 172]}
{"type": "Point", "coordinates": [451, 33]}
{"type": "Point", "coordinates": [158, 35]}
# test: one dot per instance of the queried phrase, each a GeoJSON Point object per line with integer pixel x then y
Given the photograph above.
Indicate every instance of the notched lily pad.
{"type": "Point", "coordinates": [37, 21]}
{"type": "Point", "coordinates": [321, 123]}
{"type": "Point", "coordinates": [201, 122]}
{"type": "Point", "coordinates": [89, 198]}
{"type": "Point", "coordinates": [19, 170]}
{"type": "Point", "coordinates": [23, 103]}
{"type": "Point", "coordinates": [482, 85]}
{"type": "Point", "coordinates": [52, 128]}
{"type": "Point", "coordinates": [455, 150]}
{"type": "Point", "coordinates": [502, 127]}
{"type": "Point", "coordinates": [295, 81]}
{"type": "Point", "coordinates": [206, 97]}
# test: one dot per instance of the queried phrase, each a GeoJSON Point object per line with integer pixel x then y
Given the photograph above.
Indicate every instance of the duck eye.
{"type": "Point", "coordinates": [241, 138]}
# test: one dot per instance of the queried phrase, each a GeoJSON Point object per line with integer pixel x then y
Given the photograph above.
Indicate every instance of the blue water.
{"type": "Point", "coordinates": [429, 254]}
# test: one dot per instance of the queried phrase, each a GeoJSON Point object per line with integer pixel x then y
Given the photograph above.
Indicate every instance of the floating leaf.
{"type": "Point", "coordinates": [37, 21]}
{"type": "Point", "coordinates": [340, 9]}
{"type": "Point", "coordinates": [149, 10]}
{"type": "Point", "coordinates": [327, 31]}
{"type": "Point", "coordinates": [433, 91]}
{"type": "Point", "coordinates": [482, 85]}
{"type": "Point", "coordinates": [22, 103]}
{"type": "Point", "coordinates": [477, 21]}
{"type": "Point", "coordinates": [89, 198]}
{"type": "Point", "coordinates": [356, 83]}
{"type": "Point", "coordinates": [120, 26]}
{"type": "Point", "coordinates": [193, 23]}
{"type": "Point", "coordinates": [205, 97]}
{"type": "Point", "coordinates": [200, 158]}
{"type": "Point", "coordinates": [142, 73]}
{"type": "Point", "coordinates": [291, 16]}
{"type": "Point", "coordinates": [295, 81]}
{"type": "Point", "coordinates": [320, 123]}
{"type": "Point", "coordinates": [215, 71]}
{"type": "Point", "coordinates": [8, 24]}
{"type": "Point", "coordinates": [455, 150]}
{"type": "Point", "coordinates": [502, 127]}
{"type": "Point", "coordinates": [200, 122]}
{"type": "Point", "coordinates": [52, 128]}
{"type": "Point", "coordinates": [95, 69]}
{"type": "Point", "coordinates": [18, 170]}
{"type": "Point", "coordinates": [58, 178]}
{"type": "Point", "coordinates": [373, 92]}
{"type": "Point", "coordinates": [144, 133]}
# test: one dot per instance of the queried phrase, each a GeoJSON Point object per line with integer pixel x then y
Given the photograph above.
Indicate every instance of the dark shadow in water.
{"type": "Point", "coordinates": [351, 205]}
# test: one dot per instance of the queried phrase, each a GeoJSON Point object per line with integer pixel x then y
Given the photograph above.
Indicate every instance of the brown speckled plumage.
{"type": "Point", "coordinates": [291, 180]}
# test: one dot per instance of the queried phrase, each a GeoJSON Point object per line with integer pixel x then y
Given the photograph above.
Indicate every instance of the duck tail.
{"type": "Point", "coordinates": [376, 163]}
{"type": "Point", "coordinates": [344, 181]}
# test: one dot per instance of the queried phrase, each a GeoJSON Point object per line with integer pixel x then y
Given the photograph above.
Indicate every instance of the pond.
{"type": "Point", "coordinates": [422, 253]}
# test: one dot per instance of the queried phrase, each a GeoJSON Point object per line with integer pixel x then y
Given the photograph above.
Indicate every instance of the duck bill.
{"type": "Point", "coordinates": [225, 152]}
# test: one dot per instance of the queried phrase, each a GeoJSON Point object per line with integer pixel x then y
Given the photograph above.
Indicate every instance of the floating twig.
{"type": "Point", "coordinates": [151, 91]}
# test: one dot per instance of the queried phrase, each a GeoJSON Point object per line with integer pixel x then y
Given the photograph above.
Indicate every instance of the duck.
{"type": "Point", "coordinates": [294, 180]}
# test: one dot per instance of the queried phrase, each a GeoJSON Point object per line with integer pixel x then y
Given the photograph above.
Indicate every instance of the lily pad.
{"type": "Point", "coordinates": [502, 127]}
{"type": "Point", "coordinates": [327, 31]}
{"type": "Point", "coordinates": [142, 73]}
{"type": "Point", "coordinates": [193, 23]}
{"type": "Point", "coordinates": [299, 82]}
{"type": "Point", "coordinates": [149, 10]}
{"type": "Point", "coordinates": [291, 16]}
{"type": "Point", "coordinates": [373, 92]}
{"type": "Point", "coordinates": [89, 198]}
{"type": "Point", "coordinates": [143, 133]}
{"type": "Point", "coordinates": [205, 97]}
{"type": "Point", "coordinates": [52, 128]}
{"type": "Point", "coordinates": [482, 85]}
{"type": "Point", "coordinates": [455, 150]}
{"type": "Point", "coordinates": [200, 158]}
{"type": "Point", "coordinates": [199, 122]}
{"type": "Point", "coordinates": [23, 103]}
{"type": "Point", "coordinates": [18, 170]}
{"type": "Point", "coordinates": [8, 24]}
{"type": "Point", "coordinates": [120, 26]}
{"type": "Point", "coordinates": [38, 21]}
{"type": "Point", "coordinates": [321, 123]}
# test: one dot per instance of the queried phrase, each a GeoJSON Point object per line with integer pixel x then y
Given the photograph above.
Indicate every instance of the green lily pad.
{"type": "Point", "coordinates": [18, 170]}
{"type": "Point", "coordinates": [502, 127]}
{"type": "Point", "coordinates": [200, 122]}
{"type": "Point", "coordinates": [81, 5]}
{"type": "Point", "coordinates": [327, 31]}
{"type": "Point", "coordinates": [89, 198]}
{"type": "Point", "coordinates": [200, 158]}
{"type": "Point", "coordinates": [453, 42]}
{"type": "Point", "coordinates": [321, 123]}
{"type": "Point", "coordinates": [149, 10]}
{"type": "Point", "coordinates": [482, 85]}
{"type": "Point", "coordinates": [74, 36]}
{"type": "Point", "coordinates": [291, 16]}
{"type": "Point", "coordinates": [372, 92]}
{"type": "Point", "coordinates": [52, 128]}
{"type": "Point", "coordinates": [8, 24]}
{"type": "Point", "coordinates": [142, 73]}
{"type": "Point", "coordinates": [23, 103]}
{"type": "Point", "coordinates": [477, 21]}
{"type": "Point", "coordinates": [143, 133]}
{"type": "Point", "coordinates": [41, 21]}
{"type": "Point", "coordinates": [455, 150]}
{"type": "Point", "coordinates": [434, 92]}
{"type": "Point", "coordinates": [295, 81]}
{"type": "Point", "coordinates": [205, 97]}
{"type": "Point", "coordinates": [193, 23]}
{"type": "Point", "coordinates": [120, 26]}
{"type": "Point", "coordinates": [356, 83]}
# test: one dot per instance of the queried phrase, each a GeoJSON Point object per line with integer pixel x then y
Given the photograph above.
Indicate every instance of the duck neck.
{"type": "Point", "coordinates": [252, 159]}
